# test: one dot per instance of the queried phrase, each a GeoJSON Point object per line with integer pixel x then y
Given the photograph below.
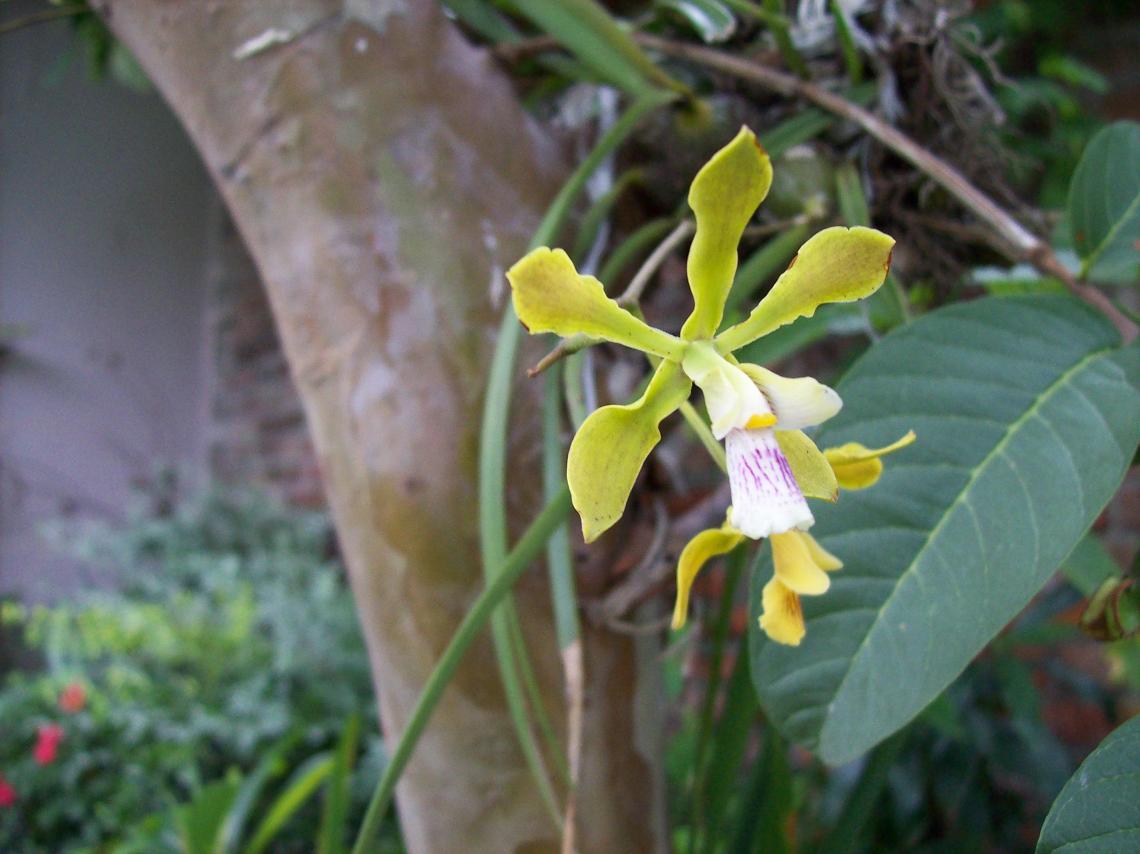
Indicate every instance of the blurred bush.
{"type": "Point", "coordinates": [231, 629]}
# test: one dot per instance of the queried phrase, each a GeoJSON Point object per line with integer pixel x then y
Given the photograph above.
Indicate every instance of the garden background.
{"type": "Point", "coordinates": [183, 666]}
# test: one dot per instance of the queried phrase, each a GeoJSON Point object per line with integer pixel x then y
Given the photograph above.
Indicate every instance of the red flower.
{"type": "Point", "coordinates": [73, 698]}
{"type": "Point", "coordinates": [7, 793]}
{"type": "Point", "coordinates": [48, 738]}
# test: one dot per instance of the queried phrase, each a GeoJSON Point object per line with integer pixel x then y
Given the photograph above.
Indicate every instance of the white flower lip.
{"type": "Point", "coordinates": [766, 499]}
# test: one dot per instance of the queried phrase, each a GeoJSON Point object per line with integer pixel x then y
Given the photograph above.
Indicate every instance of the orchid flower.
{"type": "Point", "coordinates": [801, 564]}
{"type": "Point", "coordinates": [773, 466]}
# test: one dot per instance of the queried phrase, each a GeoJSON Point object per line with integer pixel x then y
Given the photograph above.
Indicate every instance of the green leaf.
{"type": "Point", "coordinates": [765, 817]}
{"type": "Point", "coordinates": [334, 815]}
{"type": "Point", "coordinates": [711, 19]}
{"type": "Point", "coordinates": [1104, 205]}
{"type": "Point", "coordinates": [200, 822]}
{"type": "Point", "coordinates": [809, 123]}
{"type": "Point", "coordinates": [847, 42]}
{"type": "Point", "coordinates": [1099, 808]}
{"type": "Point", "coordinates": [301, 786]}
{"type": "Point", "coordinates": [859, 808]}
{"type": "Point", "coordinates": [271, 765]}
{"type": "Point", "coordinates": [729, 748]}
{"type": "Point", "coordinates": [1027, 416]}
{"type": "Point", "coordinates": [588, 31]}
{"type": "Point", "coordinates": [484, 19]}
{"type": "Point", "coordinates": [610, 447]}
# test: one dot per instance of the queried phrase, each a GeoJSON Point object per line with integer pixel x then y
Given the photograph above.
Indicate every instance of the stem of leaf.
{"type": "Point", "coordinates": [565, 599]}
{"type": "Point", "coordinates": [493, 438]}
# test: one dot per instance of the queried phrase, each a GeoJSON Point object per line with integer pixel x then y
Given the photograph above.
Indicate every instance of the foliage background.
{"type": "Point", "coordinates": [207, 657]}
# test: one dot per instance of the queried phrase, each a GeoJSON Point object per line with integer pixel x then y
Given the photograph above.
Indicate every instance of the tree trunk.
{"type": "Point", "coordinates": [383, 176]}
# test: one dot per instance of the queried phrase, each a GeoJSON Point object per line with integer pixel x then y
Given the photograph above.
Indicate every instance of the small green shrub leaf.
{"type": "Point", "coordinates": [1027, 413]}
{"type": "Point", "coordinates": [1099, 808]}
{"type": "Point", "coordinates": [1104, 204]}
{"type": "Point", "coordinates": [712, 20]}
{"type": "Point", "coordinates": [590, 32]}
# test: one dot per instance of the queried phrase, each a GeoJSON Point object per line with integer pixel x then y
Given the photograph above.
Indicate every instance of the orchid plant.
{"type": "Point", "coordinates": [773, 466]}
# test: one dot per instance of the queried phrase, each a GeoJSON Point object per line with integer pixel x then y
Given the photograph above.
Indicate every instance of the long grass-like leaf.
{"type": "Point", "coordinates": [851, 58]}
{"type": "Point", "coordinates": [564, 597]}
{"type": "Point", "coordinates": [589, 32]}
{"type": "Point", "coordinates": [740, 713]}
{"type": "Point", "coordinates": [763, 822]}
{"type": "Point", "coordinates": [783, 35]}
{"type": "Point", "coordinates": [272, 765]}
{"type": "Point", "coordinates": [484, 19]}
{"type": "Point", "coordinates": [493, 440]}
{"type": "Point", "coordinates": [301, 786]}
{"type": "Point", "coordinates": [535, 700]}
{"type": "Point", "coordinates": [558, 560]}
{"type": "Point", "coordinates": [599, 210]}
{"type": "Point", "coordinates": [889, 303]}
{"type": "Point", "coordinates": [335, 812]}
{"type": "Point", "coordinates": [845, 833]}
{"type": "Point", "coordinates": [639, 242]}
{"type": "Point", "coordinates": [705, 729]}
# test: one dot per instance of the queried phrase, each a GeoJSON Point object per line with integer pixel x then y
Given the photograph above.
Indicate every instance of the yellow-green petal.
{"type": "Point", "coordinates": [857, 466]}
{"type": "Point", "coordinates": [782, 618]}
{"type": "Point", "coordinates": [697, 552]}
{"type": "Point", "coordinates": [824, 559]}
{"type": "Point", "coordinates": [551, 296]}
{"type": "Point", "coordinates": [723, 196]}
{"type": "Point", "coordinates": [836, 265]}
{"type": "Point", "coordinates": [796, 566]}
{"type": "Point", "coordinates": [797, 402]}
{"type": "Point", "coordinates": [610, 447]}
{"type": "Point", "coordinates": [809, 466]}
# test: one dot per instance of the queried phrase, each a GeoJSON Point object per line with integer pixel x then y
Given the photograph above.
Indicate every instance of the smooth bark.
{"type": "Point", "coordinates": [383, 176]}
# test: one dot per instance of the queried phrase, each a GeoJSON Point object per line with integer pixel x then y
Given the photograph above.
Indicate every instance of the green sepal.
{"type": "Point", "coordinates": [835, 265]}
{"type": "Point", "coordinates": [723, 196]}
{"type": "Point", "coordinates": [610, 447]}
{"type": "Point", "coordinates": [550, 296]}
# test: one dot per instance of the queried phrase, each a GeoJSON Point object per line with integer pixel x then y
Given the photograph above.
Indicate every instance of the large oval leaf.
{"type": "Point", "coordinates": [1104, 204]}
{"type": "Point", "coordinates": [1027, 415]}
{"type": "Point", "coordinates": [1099, 808]}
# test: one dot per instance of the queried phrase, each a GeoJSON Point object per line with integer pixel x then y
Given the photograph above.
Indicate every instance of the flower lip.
{"type": "Point", "coordinates": [766, 499]}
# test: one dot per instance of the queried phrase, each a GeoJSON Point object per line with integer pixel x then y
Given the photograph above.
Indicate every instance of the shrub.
{"type": "Point", "coordinates": [230, 628]}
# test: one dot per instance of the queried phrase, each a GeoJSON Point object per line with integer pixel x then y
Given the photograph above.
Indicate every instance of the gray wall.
{"type": "Point", "coordinates": [104, 217]}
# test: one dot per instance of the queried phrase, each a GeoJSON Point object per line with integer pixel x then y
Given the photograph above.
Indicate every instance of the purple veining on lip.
{"type": "Point", "coordinates": [769, 473]}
